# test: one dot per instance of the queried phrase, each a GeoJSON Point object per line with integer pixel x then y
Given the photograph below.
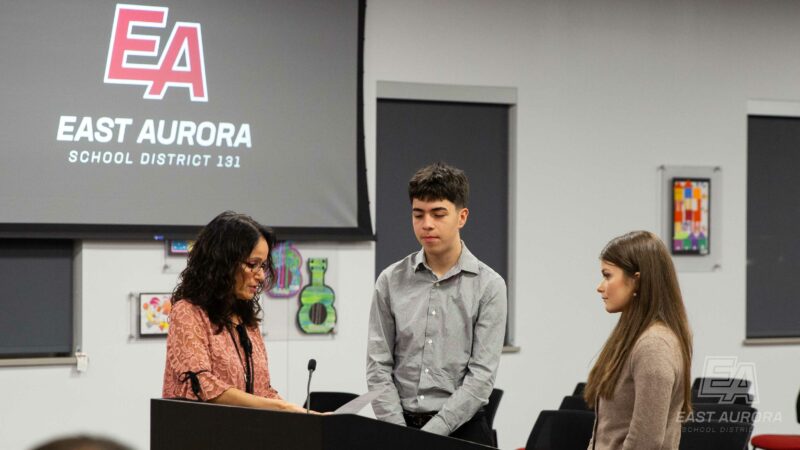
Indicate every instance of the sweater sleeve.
{"type": "Point", "coordinates": [654, 377]}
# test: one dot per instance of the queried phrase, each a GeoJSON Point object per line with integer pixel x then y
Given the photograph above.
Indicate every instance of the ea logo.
{"type": "Point", "coordinates": [180, 64]}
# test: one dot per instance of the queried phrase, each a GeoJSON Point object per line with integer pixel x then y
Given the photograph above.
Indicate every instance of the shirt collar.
{"type": "Point", "coordinates": [466, 261]}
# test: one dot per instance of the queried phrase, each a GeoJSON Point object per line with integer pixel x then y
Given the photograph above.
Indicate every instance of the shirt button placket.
{"type": "Point", "coordinates": [431, 328]}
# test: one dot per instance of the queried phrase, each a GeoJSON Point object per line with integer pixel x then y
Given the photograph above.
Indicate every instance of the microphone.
{"type": "Point", "coordinates": [312, 366]}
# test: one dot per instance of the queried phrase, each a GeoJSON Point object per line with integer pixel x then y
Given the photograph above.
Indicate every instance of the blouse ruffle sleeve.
{"type": "Point", "coordinates": [188, 372]}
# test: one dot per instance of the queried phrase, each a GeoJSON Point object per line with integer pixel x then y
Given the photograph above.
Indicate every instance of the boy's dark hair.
{"type": "Point", "coordinates": [439, 181]}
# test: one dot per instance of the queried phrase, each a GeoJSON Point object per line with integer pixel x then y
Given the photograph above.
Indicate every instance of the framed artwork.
{"type": "Point", "coordinates": [154, 311]}
{"type": "Point", "coordinates": [691, 221]}
{"type": "Point", "coordinates": [178, 247]}
{"type": "Point", "coordinates": [288, 277]}
{"type": "Point", "coordinates": [691, 216]}
{"type": "Point", "coordinates": [317, 314]}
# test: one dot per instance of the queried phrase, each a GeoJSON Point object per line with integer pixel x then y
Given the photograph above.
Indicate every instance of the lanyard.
{"type": "Point", "coordinates": [247, 364]}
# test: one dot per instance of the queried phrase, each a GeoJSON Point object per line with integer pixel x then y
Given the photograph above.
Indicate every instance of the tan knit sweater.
{"type": "Point", "coordinates": [644, 411]}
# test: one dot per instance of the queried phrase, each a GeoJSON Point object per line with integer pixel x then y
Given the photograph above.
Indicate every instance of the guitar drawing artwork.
{"type": "Point", "coordinates": [317, 314]}
{"type": "Point", "coordinates": [288, 276]}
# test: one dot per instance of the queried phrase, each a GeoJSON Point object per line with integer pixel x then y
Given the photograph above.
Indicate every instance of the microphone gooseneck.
{"type": "Point", "coordinates": [312, 366]}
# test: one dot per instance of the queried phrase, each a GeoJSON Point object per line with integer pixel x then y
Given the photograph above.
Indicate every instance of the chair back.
{"type": "Point", "coordinates": [715, 435]}
{"type": "Point", "coordinates": [779, 441]}
{"type": "Point", "coordinates": [579, 388]}
{"type": "Point", "coordinates": [322, 401]}
{"type": "Point", "coordinates": [797, 406]}
{"type": "Point", "coordinates": [491, 407]}
{"type": "Point", "coordinates": [575, 403]}
{"type": "Point", "coordinates": [562, 430]}
{"type": "Point", "coordinates": [490, 410]}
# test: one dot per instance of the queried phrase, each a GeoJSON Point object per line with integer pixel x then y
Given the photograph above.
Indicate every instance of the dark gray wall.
{"type": "Point", "coordinates": [773, 215]}
{"type": "Point", "coordinates": [36, 297]}
{"type": "Point", "coordinates": [472, 137]}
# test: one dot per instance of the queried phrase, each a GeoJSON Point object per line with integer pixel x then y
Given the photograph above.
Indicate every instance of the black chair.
{"type": "Point", "coordinates": [575, 403]}
{"type": "Point", "coordinates": [579, 388]}
{"type": "Point", "coordinates": [715, 435]}
{"type": "Point", "coordinates": [491, 409]}
{"type": "Point", "coordinates": [329, 401]}
{"type": "Point", "coordinates": [722, 391]}
{"type": "Point", "coordinates": [561, 430]}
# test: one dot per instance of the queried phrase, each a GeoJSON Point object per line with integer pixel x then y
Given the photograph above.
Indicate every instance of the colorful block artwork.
{"type": "Point", "coordinates": [154, 314]}
{"type": "Point", "coordinates": [690, 224]}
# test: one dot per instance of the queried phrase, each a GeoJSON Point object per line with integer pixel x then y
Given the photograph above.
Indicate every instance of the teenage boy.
{"type": "Point", "coordinates": [437, 320]}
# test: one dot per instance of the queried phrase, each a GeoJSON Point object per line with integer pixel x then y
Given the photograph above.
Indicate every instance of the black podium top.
{"type": "Point", "coordinates": [180, 424]}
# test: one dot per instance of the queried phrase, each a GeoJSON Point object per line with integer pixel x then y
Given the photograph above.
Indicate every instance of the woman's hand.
{"type": "Point", "coordinates": [237, 397]}
{"type": "Point", "coordinates": [291, 407]}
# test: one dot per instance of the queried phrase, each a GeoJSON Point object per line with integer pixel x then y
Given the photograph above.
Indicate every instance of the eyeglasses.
{"type": "Point", "coordinates": [254, 267]}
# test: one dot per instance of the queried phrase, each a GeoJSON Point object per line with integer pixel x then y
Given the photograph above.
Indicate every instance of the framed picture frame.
{"type": "Point", "coordinates": [179, 247]}
{"type": "Point", "coordinates": [154, 311]}
{"type": "Point", "coordinates": [705, 183]}
{"type": "Point", "coordinates": [288, 270]}
{"type": "Point", "coordinates": [691, 223]}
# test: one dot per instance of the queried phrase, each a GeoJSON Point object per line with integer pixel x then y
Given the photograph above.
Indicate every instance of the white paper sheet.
{"type": "Point", "coordinates": [357, 404]}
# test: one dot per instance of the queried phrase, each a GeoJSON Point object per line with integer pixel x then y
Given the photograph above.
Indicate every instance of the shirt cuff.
{"type": "Point", "coordinates": [396, 419]}
{"type": "Point", "coordinates": [437, 426]}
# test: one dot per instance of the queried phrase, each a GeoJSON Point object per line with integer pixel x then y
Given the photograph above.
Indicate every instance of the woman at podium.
{"type": "Point", "coordinates": [639, 385]}
{"type": "Point", "coordinates": [215, 351]}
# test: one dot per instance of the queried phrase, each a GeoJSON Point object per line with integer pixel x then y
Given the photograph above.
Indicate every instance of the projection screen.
{"type": "Point", "coordinates": [132, 120]}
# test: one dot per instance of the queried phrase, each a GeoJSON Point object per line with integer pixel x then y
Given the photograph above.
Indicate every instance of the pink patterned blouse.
{"type": "Point", "coordinates": [202, 364]}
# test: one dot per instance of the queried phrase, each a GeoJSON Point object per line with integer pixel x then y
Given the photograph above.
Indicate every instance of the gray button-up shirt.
{"type": "Point", "coordinates": [435, 343]}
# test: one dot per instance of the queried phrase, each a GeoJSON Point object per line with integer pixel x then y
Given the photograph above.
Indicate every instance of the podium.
{"type": "Point", "coordinates": [183, 424]}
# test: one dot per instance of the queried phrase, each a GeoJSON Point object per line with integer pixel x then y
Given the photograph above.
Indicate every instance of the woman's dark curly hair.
{"type": "Point", "coordinates": [209, 279]}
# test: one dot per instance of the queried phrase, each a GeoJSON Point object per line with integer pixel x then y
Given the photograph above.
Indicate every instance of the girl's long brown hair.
{"type": "Point", "coordinates": [659, 300]}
